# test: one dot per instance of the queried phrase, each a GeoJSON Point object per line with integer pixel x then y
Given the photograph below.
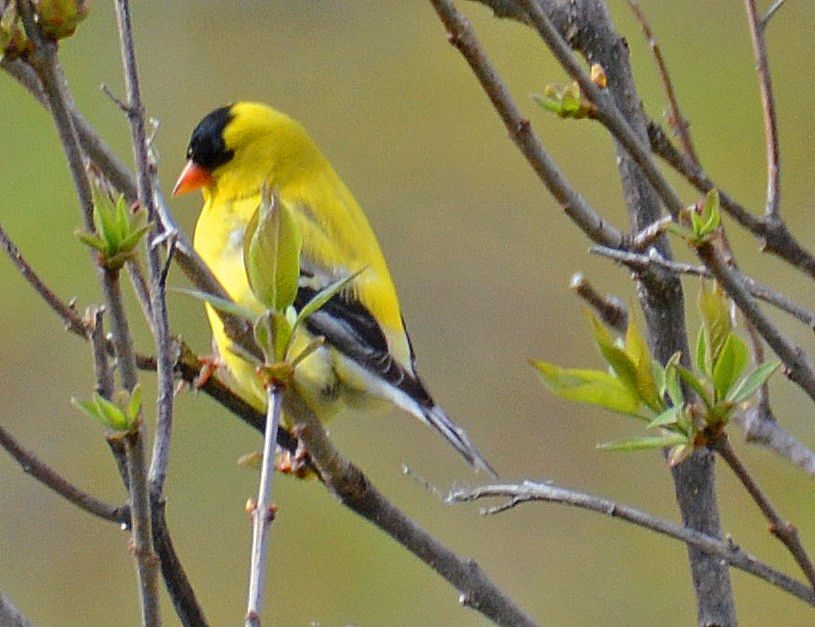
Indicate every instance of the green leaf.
{"type": "Point", "coordinates": [710, 213]}
{"type": "Point", "coordinates": [719, 413]}
{"type": "Point", "coordinates": [730, 365]}
{"type": "Point", "coordinates": [324, 295]}
{"type": "Point", "coordinates": [112, 412]}
{"type": "Point", "coordinates": [715, 310]}
{"type": "Point", "coordinates": [92, 240]}
{"type": "Point", "coordinates": [310, 348]}
{"type": "Point", "coordinates": [589, 386]}
{"type": "Point", "coordinates": [701, 350]}
{"type": "Point", "coordinates": [105, 412]}
{"type": "Point", "coordinates": [617, 358]}
{"type": "Point", "coordinates": [672, 386]}
{"type": "Point", "coordinates": [637, 349]}
{"type": "Point", "coordinates": [134, 404]}
{"type": "Point", "coordinates": [273, 333]}
{"type": "Point", "coordinates": [681, 231]}
{"type": "Point", "coordinates": [272, 254]}
{"type": "Point", "coordinates": [695, 383]}
{"type": "Point", "coordinates": [644, 443]}
{"type": "Point", "coordinates": [221, 304]}
{"type": "Point", "coordinates": [670, 417]}
{"type": "Point", "coordinates": [750, 384]}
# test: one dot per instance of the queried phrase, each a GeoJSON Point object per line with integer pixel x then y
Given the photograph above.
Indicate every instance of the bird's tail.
{"type": "Point", "coordinates": [436, 417]}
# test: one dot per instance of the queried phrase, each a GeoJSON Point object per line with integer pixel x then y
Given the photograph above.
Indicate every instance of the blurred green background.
{"type": "Point", "coordinates": [482, 257]}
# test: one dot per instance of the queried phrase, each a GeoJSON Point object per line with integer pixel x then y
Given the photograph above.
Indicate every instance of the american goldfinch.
{"type": "Point", "coordinates": [237, 151]}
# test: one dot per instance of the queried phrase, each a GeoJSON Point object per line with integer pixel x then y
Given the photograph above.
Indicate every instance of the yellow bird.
{"type": "Point", "coordinates": [234, 153]}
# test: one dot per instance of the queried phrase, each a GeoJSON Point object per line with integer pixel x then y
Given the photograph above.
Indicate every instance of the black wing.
{"type": "Point", "coordinates": [347, 325]}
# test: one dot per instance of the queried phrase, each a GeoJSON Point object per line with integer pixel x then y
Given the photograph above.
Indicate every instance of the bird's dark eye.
{"type": "Point", "coordinates": [207, 147]}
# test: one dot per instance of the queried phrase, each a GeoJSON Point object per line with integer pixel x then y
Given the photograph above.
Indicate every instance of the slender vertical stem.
{"type": "Point", "coordinates": [263, 514]}
{"type": "Point", "coordinates": [159, 322]}
{"type": "Point", "coordinates": [146, 559]}
{"type": "Point", "coordinates": [772, 209]}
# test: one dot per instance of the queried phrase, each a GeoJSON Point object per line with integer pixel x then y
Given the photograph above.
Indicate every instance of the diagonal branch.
{"type": "Point", "coordinates": [355, 491]}
{"type": "Point", "coordinates": [461, 35]}
{"type": "Point", "coordinates": [547, 492]}
{"type": "Point", "coordinates": [676, 119]}
{"type": "Point", "coordinates": [49, 477]}
{"type": "Point", "coordinates": [781, 529]}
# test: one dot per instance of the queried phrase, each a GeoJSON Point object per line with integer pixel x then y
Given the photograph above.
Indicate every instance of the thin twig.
{"type": "Point", "coordinates": [263, 511]}
{"type": "Point", "coordinates": [781, 529]}
{"type": "Point", "coordinates": [158, 301]}
{"type": "Point", "coordinates": [120, 329]}
{"type": "Point", "coordinates": [776, 237]}
{"type": "Point", "coordinates": [647, 236]}
{"type": "Point", "coordinates": [761, 430]}
{"type": "Point", "coordinates": [676, 119]}
{"type": "Point", "coordinates": [611, 309]}
{"type": "Point", "coordinates": [460, 35]}
{"type": "Point", "coordinates": [772, 209]}
{"type": "Point", "coordinates": [641, 263]}
{"type": "Point", "coordinates": [70, 318]}
{"type": "Point", "coordinates": [607, 111]}
{"type": "Point", "coordinates": [732, 554]}
{"type": "Point", "coordinates": [59, 484]}
{"type": "Point", "coordinates": [770, 12]}
{"type": "Point", "coordinates": [10, 616]}
{"type": "Point", "coordinates": [142, 544]}
{"type": "Point", "coordinates": [45, 62]}
{"type": "Point", "coordinates": [356, 492]}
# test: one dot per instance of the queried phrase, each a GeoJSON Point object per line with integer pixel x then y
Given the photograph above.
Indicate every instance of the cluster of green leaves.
{"type": "Point", "coordinates": [119, 229]}
{"type": "Point", "coordinates": [637, 385]}
{"type": "Point", "coordinates": [121, 413]}
{"type": "Point", "coordinates": [702, 220]}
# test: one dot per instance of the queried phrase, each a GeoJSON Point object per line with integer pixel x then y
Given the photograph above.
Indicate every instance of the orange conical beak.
{"type": "Point", "coordinates": [193, 177]}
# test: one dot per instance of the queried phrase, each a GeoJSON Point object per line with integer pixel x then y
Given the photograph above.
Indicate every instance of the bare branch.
{"type": "Point", "coordinates": [642, 263]}
{"type": "Point", "coordinates": [772, 209]}
{"type": "Point", "coordinates": [70, 318]}
{"type": "Point", "coordinates": [355, 491]}
{"type": "Point", "coordinates": [770, 12]}
{"type": "Point", "coordinates": [732, 554]}
{"type": "Point", "coordinates": [147, 561]}
{"type": "Point", "coordinates": [774, 234]}
{"type": "Point", "coordinates": [611, 309]}
{"type": "Point", "coordinates": [263, 511]}
{"type": "Point", "coordinates": [762, 430]}
{"type": "Point", "coordinates": [676, 119]}
{"type": "Point", "coordinates": [59, 484]}
{"type": "Point", "coordinates": [461, 35]}
{"type": "Point", "coordinates": [588, 27]}
{"type": "Point", "coordinates": [607, 111]}
{"type": "Point", "coordinates": [160, 321]}
{"type": "Point", "coordinates": [781, 529]}
{"type": "Point", "coordinates": [10, 616]}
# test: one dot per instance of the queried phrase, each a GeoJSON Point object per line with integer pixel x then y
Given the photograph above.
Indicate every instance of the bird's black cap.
{"type": "Point", "coordinates": [207, 147]}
